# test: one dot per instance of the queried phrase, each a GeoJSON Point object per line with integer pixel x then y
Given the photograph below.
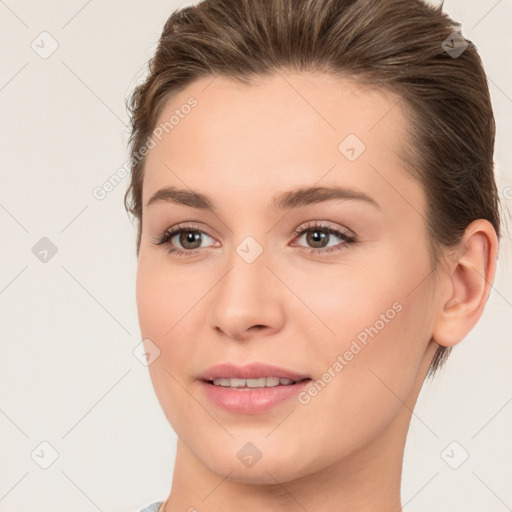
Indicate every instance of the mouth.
{"type": "Point", "coordinates": [252, 388]}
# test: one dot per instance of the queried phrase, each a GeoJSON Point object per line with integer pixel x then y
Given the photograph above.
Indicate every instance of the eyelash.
{"type": "Point", "coordinates": [164, 239]}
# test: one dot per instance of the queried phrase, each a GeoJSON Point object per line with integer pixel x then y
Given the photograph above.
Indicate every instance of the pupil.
{"type": "Point", "coordinates": [190, 237]}
{"type": "Point", "coordinates": [317, 238]}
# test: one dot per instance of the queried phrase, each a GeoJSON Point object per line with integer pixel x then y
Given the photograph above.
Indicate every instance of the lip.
{"type": "Point", "coordinates": [249, 371]}
{"type": "Point", "coordinates": [251, 400]}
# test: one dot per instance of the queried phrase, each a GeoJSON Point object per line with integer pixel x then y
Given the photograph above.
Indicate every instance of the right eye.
{"type": "Point", "coordinates": [189, 237]}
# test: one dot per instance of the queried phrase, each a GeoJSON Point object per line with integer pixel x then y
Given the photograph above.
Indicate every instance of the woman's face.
{"type": "Point", "coordinates": [268, 280]}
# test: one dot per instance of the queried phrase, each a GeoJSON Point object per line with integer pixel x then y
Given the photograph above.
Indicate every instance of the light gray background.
{"type": "Point", "coordinates": [69, 326]}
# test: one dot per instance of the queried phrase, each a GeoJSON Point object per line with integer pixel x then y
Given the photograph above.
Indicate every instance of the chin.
{"type": "Point", "coordinates": [270, 464]}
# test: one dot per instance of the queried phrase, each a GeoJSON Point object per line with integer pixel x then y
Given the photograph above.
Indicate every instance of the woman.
{"type": "Point", "coordinates": [318, 226]}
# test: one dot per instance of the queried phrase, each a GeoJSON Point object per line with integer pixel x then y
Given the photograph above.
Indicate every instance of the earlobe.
{"type": "Point", "coordinates": [467, 282]}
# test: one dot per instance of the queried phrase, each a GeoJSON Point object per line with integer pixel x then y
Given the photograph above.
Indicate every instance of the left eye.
{"type": "Point", "coordinates": [318, 237]}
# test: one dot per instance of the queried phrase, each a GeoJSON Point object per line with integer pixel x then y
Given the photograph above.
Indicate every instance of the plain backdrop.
{"type": "Point", "coordinates": [74, 397]}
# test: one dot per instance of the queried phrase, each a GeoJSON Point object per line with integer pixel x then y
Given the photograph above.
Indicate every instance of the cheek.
{"type": "Point", "coordinates": [382, 301]}
{"type": "Point", "coordinates": [163, 298]}
{"type": "Point", "coordinates": [163, 306]}
{"type": "Point", "coordinates": [379, 321]}
{"type": "Point", "coordinates": [367, 372]}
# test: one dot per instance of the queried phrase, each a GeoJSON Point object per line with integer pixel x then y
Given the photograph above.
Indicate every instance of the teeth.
{"type": "Point", "coordinates": [263, 382]}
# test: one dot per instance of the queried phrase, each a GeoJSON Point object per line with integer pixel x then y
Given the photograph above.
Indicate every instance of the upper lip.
{"type": "Point", "coordinates": [249, 371]}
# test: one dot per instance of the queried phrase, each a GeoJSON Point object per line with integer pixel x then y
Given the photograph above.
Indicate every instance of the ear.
{"type": "Point", "coordinates": [466, 283]}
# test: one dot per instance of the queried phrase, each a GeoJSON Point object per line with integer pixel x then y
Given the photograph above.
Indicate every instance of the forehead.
{"type": "Point", "coordinates": [280, 130]}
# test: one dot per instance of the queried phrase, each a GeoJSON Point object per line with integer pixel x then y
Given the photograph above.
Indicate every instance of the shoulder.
{"type": "Point", "coordinates": [153, 507]}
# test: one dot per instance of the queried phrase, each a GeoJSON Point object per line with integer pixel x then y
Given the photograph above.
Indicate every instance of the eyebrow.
{"type": "Point", "coordinates": [284, 201]}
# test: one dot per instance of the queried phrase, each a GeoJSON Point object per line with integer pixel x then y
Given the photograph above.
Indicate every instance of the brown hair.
{"type": "Point", "coordinates": [405, 46]}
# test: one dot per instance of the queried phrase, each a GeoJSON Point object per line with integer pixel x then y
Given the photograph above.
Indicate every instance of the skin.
{"type": "Point", "coordinates": [241, 145]}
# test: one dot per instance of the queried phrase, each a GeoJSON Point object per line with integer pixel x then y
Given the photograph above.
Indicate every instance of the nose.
{"type": "Point", "coordinates": [247, 300]}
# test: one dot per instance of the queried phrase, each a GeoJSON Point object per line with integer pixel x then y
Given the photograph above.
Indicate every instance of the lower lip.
{"type": "Point", "coordinates": [251, 401]}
